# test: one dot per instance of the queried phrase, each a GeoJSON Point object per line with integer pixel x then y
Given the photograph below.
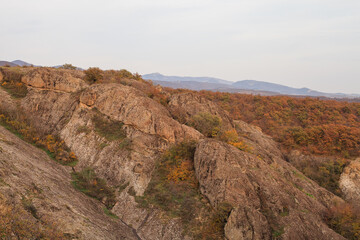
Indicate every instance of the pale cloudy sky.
{"type": "Point", "coordinates": [299, 43]}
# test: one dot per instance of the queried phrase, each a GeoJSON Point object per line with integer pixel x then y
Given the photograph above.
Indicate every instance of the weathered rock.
{"type": "Point", "coordinates": [190, 104]}
{"type": "Point", "coordinates": [7, 103]}
{"type": "Point", "coordinates": [267, 198]}
{"type": "Point", "coordinates": [55, 79]}
{"type": "Point", "coordinates": [260, 143]}
{"type": "Point", "coordinates": [350, 182]}
{"type": "Point", "coordinates": [28, 172]}
{"type": "Point", "coordinates": [49, 111]}
{"type": "Point", "coordinates": [148, 223]}
{"type": "Point", "coordinates": [132, 107]}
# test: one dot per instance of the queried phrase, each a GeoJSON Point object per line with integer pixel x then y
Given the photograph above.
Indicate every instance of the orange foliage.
{"type": "Point", "coordinates": [231, 137]}
{"type": "Point", "coordinates": [49, 143]}
{"type": "Point", "coordinates": [181, 172]}
{"type": "Point", "coordinates": [16, 223]}
{"type": "Point", "coordinates": [315, 126]}
{"type": "Point", "coordinates": [345, 220]}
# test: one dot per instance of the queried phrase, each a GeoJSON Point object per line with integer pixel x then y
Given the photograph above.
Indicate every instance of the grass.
{"type": "Point", "coordinates": [83, 129]}
{"type": "Point", "coordinates": [310, 195]}
{"type": "Point", "coordinates": [16, 91]}
{"type": "Point", "coordinates": [103, 145]}
{"type": "Point", "coordinates": [122, 186]}
{"type": "Point", "coordinates": [12, 83]}
{"type": "Point", "coordinates": [109, 213]}
{"type": "Point", "coordinates": [28, 205]}
{"type": "Point", "coordinates": [125, 144]}
{"type": "Point", "coordinates": [174, 189]}
{"type": "Point", "coordinates": [109, 129]}
{"type": "Point", "coordinates": [277, 233]}
{"type": "Point", "coordinates": [87, 182]}
{"type": "Point", "coordinates": [52, 145]}
{"type": "Point", "coordinates": [285, 212]}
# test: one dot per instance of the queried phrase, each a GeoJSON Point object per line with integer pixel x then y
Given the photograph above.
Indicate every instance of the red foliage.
{"type": "Point", "coordinates": [315, 126]}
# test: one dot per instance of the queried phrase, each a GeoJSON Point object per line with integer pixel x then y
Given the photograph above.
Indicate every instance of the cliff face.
{"type": "Point", "coordinates": [268, 196]}
{"type": "Point", "coordinates": [350, 182]}
{"type": "Point", "coordinates": [28, 174]}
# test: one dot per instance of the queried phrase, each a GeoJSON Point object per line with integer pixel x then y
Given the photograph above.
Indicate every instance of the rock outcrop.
{"type": "Point", "coordinates": [26, 172]}
{"type": "Point", "coordinates": [350, 182]}
{"type": "Point", "coordinates": [55, 79]}
{"type": "Point", "coordinates": [268, 199]}
{"type": "Point", "coordinates": [63, 106]}
{"type": "Point", "coordinates": [190, 104]}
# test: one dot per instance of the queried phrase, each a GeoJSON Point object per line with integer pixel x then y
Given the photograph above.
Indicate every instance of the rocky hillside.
{"type": "Point", "coordinates": [123, 163]}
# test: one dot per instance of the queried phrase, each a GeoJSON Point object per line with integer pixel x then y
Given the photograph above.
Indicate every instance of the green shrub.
{"type": "Point", "coordinates": [93, 75]}
{"type": "Point", "coordinates": [174, 189]}
{"type": "Point", "coordinates": [68, 66]}
{"type": "Point", "coordinates": [12, 83]}
{"type": "Point", "coordinates": [206, 123]}
{"type": "Point", "coordinates": [87, 182]}
{"type": "Point", "coordinates": [109, 129]}
{"type": "Point", "coordinates": [109, 213]}
{"type": "Point", "coordinates": [51, 144]}
{"type": "Point", "coordinates": [345, 220]}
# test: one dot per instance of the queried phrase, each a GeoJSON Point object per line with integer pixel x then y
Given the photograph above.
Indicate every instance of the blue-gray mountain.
{"type": "Point", "coordinates": [244, 86]}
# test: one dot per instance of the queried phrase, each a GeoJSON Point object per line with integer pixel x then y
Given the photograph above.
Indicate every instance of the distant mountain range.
{"type": "Point", "coordinates": [244, 86]}
{"type": "Point", "coordinates": [217, 84]}
{"type": "Point", "coordinates": [22, 63]}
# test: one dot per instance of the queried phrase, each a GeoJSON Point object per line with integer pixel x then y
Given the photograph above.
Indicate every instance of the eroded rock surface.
{"type": "Point", "coordinates": [350, 182]}
{"type": "Point", "coordinates": [55, 79]}
{"type": "Point", "coordinates": [27, 172]}
{"type": "Point", "coordinates": [190, 104]}
{"type": "Point", "coordinates": [267, 198]}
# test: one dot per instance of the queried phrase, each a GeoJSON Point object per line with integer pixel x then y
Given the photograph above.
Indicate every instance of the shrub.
{"type": "Point", "coordinates": [345, 220]}
{"type": "Point", "coordinates": [174, 189]}
{"type": "Point", "coordinates": [326, 173]}
{"type": "Point", "coordinates": [109, 129]}
{"type": "Point", "coordinates": [12, 83]}
{"type": "Point", "coordinates": [51, 144]}
{"type": "Point", "coordinates": [206, 123]}
{"type": "Point", "coordinates": [87, 182]}
{"type": "Point", "coordinates": [16, 223]}
{"type": "Point", "coordinates": [231, 137]}
{"type": "Point", "coordinates": [68, 66]}
{"type": "Point", "coordinates": [93, 75]}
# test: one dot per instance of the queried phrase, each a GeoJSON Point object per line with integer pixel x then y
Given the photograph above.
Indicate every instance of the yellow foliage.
{"type": "Point", "coordinates": [181, 172]}
{"type": "Point", "coordinates": [231, 137]}
{"type": "Point", "coordinates": [50, 143]}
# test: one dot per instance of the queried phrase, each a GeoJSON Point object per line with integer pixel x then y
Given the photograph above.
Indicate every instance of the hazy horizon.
{"type": "Point", "coordinates": [313, 44]}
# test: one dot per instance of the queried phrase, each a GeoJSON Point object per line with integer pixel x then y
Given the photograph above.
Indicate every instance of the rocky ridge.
{"type": "Point", "coordinates": [270, 198]}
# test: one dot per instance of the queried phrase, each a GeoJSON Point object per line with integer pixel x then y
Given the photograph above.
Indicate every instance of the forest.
{"type": "Point", "coordinates": [321, 127]}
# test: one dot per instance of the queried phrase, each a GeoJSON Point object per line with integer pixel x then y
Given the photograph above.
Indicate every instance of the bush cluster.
{"type": "Point", "coordinates": [174, 189]}
{"type": "Point", "coordinates": [109, 129]}
{"type": "Point", "coordinates": [206, 123]}
{"type": "Point", "coordinates": [96, 75]}
{"type": "Point", "coordinates": [345, 220]}
{"type": "Point", "coordinates": [12, 83]}
{"type": "Point", "coordinates": [51, 144]}
{"type": "Point", "coordinates": [16, 223]}
{"type": "Point", "coordinates": [87, 182]}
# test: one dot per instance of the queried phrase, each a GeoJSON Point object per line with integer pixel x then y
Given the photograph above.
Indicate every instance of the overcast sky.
{"type": "Point", "coordinates": [299, 43]}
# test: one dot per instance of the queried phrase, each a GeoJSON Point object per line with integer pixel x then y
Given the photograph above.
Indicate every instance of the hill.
{"type": "Point", "coordinates": [257, 87]}
{"type": "Point", "coordinates": [6, 63]}
{"type": "Point", "coordinates": [22, 63]}
{"type": "Point", "coordinates": [145, 162]}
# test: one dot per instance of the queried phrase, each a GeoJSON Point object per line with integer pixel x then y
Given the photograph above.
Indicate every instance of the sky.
{"type": "Point", "coordinates": [298, 43]}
